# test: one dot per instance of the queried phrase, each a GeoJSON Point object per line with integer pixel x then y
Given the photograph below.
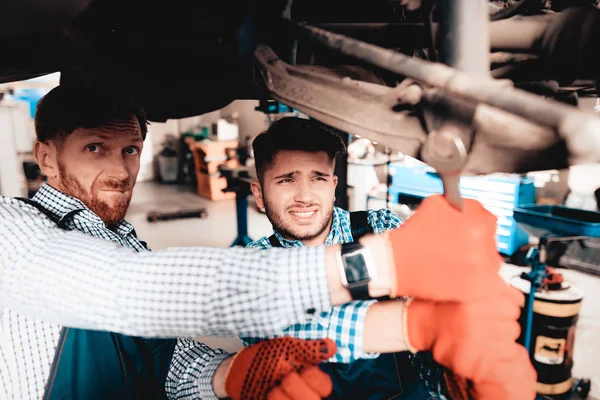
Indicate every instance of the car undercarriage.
{"type": "Point", "coordinates": [470, 86]}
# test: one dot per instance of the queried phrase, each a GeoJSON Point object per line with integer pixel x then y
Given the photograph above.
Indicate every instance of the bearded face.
{"type": "Point", "coordinates": [108, 199]}
{"type": "Point", "coordinates": [297, 193]}
{"type": "Point", "coordinates": [98, 166]}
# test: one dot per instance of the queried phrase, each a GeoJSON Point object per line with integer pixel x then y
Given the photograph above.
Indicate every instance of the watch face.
{"type": "Point", "coordinates": [356, 268]}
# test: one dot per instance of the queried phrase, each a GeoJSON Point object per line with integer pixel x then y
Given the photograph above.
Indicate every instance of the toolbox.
{"type": "Point", "coordinates": [499, 193]}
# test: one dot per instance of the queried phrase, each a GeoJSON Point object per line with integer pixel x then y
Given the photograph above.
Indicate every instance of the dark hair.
{"type": "Point", "coordinates": [292, 133]}
{"type": "Point", "coordinates": [67, 108]}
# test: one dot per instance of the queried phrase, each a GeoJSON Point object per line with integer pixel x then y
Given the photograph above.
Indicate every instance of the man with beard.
{"type": "Point", "coordinates": [295, 162]}
{"type": "Point", "coordinates": [72, 270]}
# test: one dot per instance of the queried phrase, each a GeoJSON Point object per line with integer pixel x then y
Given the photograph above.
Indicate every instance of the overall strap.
{"type": "Point", "coordinates": [274, 241]}
{"type": "Point", "coordinates": [41, 208]}
{"type": "Point", "coordinates": [47, 213]}
{"type": "Point", "coordinates": [359, 224]}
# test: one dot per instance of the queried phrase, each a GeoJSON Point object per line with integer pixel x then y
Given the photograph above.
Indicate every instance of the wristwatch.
{"type": "Point", "coordinates": [356, 269]}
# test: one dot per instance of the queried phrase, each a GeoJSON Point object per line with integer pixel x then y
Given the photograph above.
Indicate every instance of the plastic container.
{"type": "Point", "coordinates": [539, 220]}
{"type": "Point", "coordinates": [168, 165]}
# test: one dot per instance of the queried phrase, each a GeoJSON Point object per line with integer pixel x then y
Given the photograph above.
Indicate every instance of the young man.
{"type": "Point", "coordinates": [295, 163]}
{"type": "Point", "coordinates": [72, 271]}
{"type": "Point", "coordinates": [295, 160]}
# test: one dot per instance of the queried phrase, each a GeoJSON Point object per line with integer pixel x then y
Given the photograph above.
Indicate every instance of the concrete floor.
{"type": "Point", "coordinates": [219, 230]}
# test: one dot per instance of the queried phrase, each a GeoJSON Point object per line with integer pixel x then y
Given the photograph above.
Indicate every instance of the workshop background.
{"type": "Point", "coordinates": [179, 199]}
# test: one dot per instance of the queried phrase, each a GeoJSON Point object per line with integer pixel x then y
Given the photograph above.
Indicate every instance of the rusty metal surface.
{"type": "Point", "coordinates": [357, 107]}
{"type": "Point", "coordinates": [504, 142]}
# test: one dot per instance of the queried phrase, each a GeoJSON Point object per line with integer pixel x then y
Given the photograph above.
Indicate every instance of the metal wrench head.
{"type": "Point", "coordinates": [445, 151]}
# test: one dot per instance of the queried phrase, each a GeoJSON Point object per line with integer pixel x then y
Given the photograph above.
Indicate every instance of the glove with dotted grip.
{"type": "Point", "coordinates": [281, 369]}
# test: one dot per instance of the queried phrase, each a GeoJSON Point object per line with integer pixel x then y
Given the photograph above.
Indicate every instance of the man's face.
{"type": "Point", "coordinates": [298, 193]}
{"type": "Point", "coordinates": [99, 166]}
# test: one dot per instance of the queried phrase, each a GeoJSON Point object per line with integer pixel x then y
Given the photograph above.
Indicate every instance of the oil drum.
{"type": "Point", "coordinates": [555, 314]}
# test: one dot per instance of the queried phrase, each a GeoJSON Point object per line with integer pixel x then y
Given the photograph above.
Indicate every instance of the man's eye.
{"type": "Point", "coordinates": [92, 148]}
{"type": "Point", "coordinates": [131, 151]}
{"type": "Point", "coordinates": [286, 180]}
{"type": "Point", "coordinates": [320, 178]}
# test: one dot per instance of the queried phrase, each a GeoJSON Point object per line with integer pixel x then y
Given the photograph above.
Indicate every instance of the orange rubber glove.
{"type": "Point", "coordinates": [281, 369]}
{"type": "Point", "coordinates": [477, 341]}
{"type": "Point", "coordinates": [443, 254]}
{"type": "Point", "coordinates": [509, 375]}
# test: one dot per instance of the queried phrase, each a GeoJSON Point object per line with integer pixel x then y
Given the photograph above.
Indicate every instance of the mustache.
{"type": "Point", "coordinates": [116, 185]}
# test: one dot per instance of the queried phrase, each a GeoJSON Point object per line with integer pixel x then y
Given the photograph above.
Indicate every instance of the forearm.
{"type": "Point", "coordinates": [219, 378]}
{"type": "Point", "coordinates": [75, 280]}
{"type": "Point", "coordinates": [383, 332]}
{"type": "Point", "coordinates": [72, 279]}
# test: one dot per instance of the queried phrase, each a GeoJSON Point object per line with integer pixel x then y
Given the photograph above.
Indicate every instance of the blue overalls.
{"type": "Point", "coordinates": [102, 365]}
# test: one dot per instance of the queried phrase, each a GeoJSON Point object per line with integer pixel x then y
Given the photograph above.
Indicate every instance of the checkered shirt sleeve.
{"type": "Point", "coordinates": [343, 324]}
{"type": "Point", "coordinates": [192, 369]}
{"type": "Point", "coordinates": [80, 281]}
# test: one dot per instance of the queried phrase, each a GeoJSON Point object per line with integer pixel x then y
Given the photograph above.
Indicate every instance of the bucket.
{"type": "Point", "coordinates": [168, 168]}
{"type": "Point", "coordinates": [555, 315]}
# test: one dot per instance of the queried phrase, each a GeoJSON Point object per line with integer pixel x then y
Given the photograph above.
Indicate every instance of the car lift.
{"type": "Point", "coordinates": [238, 182]}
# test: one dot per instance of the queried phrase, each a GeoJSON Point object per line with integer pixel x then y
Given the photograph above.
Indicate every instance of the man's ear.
{"type": "Point", "coordinates": [46, 157]}
{"type": "Point", "coordinates": [258, 194]}
{"type": "Point", "coordinates": [335, 181]}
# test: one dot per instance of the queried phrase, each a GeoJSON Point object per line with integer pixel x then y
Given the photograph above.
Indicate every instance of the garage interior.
{"type": "Point", "coordinates": [210, 87]}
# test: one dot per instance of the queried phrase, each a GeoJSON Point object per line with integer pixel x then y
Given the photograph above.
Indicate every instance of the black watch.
{"type": "Point", "coordinates": [356, 269]}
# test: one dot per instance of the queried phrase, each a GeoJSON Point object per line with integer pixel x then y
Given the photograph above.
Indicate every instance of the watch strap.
{"type": "Point", "coordinates": [351, 246]}
{"type": "Point", "coordinates": [359, 291]}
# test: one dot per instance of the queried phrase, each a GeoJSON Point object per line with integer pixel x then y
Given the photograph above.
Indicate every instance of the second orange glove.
{"type": "Point", "coordinates": [281, 369]}
{"type": "Point", "coordinates": [477, 341]}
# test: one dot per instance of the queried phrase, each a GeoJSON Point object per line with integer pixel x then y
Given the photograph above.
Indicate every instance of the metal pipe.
{"type": "Point", "coordinates": [467, 48]}
{"type": "Point", "coordinates": [529, 319]}
{"type": "Point", "coordinates": [579, 129]}
{"type": "Point", "coordinates": [467, 45]}
{"type": "Point", "coordinates": [355, 26]}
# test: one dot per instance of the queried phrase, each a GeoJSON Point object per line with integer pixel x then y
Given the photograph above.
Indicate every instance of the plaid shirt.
{"type": "Point", "coordinates": [87, 276]}
{"type": "Point", "coordinates": [343, 324]}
